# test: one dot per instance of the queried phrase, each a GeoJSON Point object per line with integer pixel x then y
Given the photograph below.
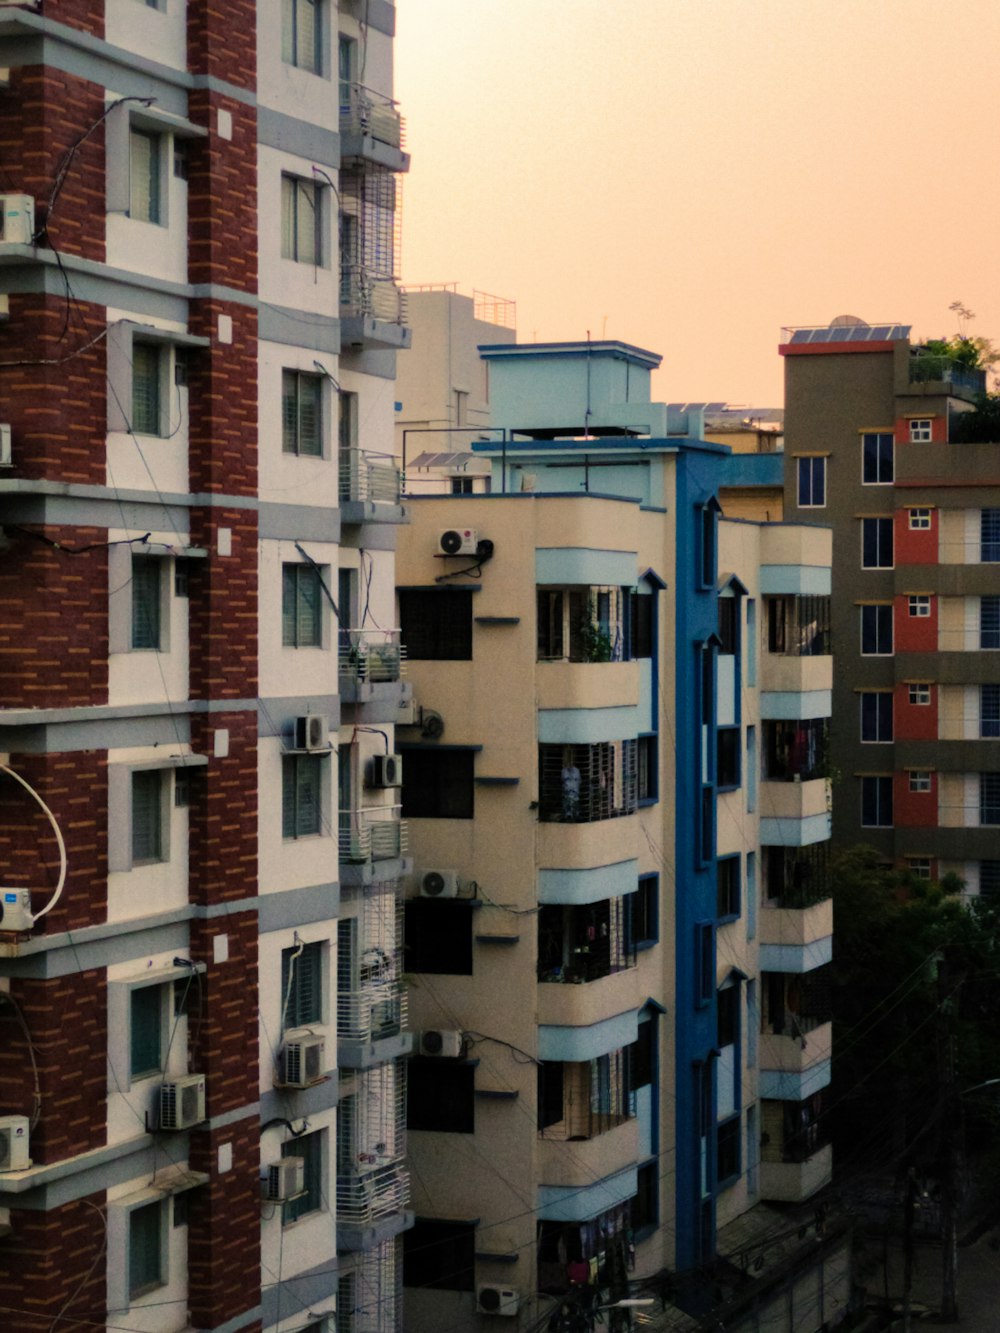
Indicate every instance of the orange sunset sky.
{"type": "Point", "coordinates": [690, 175]}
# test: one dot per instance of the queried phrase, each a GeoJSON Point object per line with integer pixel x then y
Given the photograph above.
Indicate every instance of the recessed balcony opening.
{"type": "Point", "coordinates": [579, 1100]}
{"type": "Point", "coordinates": [578, 784]}
{"type": "Point", "coordinates": [566, 1250]}
{"type": "Point", "coordinates": [798, 626]}
{"type": "Point", "coordinates": [593, 624]}
{"type": "Point", "coordinates": [795, 1004]}
{"type": "Point", "coordinates": [797, 877]}
{"type": "Point", "coordinates": [796, 751]}
{"type": "Point", "coordinates": [581, 944]}
{"type": "Point", "coordinates": [792, 1131]}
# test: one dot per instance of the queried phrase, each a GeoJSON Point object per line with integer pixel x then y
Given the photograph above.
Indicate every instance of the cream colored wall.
{"type": "Point", "coordinates": [759, 504]}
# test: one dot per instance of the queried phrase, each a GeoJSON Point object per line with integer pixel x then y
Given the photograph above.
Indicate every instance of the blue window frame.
{"type": "Point", "coordinates": [642, 913]}
{"type": "Point", "coordinates": [989, 711]}
{"type": "Point", "coordinates": [812, 483]}
{"type": "Point", "coordinates": [728, 888]}
{"type": "Point", "coordinates": [989, 622]}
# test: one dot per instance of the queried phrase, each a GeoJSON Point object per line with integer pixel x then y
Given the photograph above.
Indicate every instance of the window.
{"type": "Point", "coordinates": [301, 623]}
{"type": "Point", "coordinates": [920, 780]}
{"type": "Point", "coordinates": [920, 430]}
{"type": "Point", "coordinates": [727, 1160]}
{"type": "Point", "coordinates": [311, 1147]}
{"type": "Point", "coordinates": [919, 605]}
{"type": "Point", "coordinates": [440, 1096]}
{"type": "Point", "coordinates": [876, 802]}
{"type": "Point", "coordinates": [436, 626]}
{"type": "Point", "coordinates": [461, 485]}
{"type": "Point", "coordinates": [347, 426]}
{"type": "Point", "coordinates": [300, 34]}
{"type": "Point", "coordinates": [145, 202]}
{"type": "Point", "coordinates": [643, 607]}
{"type": "Point", "coordinates": [728, 888]}
{"type": "Point", "coordinates": [728, 759]}
{"type": "Point", "coordinates": [146, 1021]}
{"type": "Point", "coordinates": [920, 695]}
{"type": "Point", "coordinates": [989, 798]}
{"type": "Point", "coordinates": [146, 1249]}
{"type": "Point", "coordinates": [812, 483]}
{"type": "Point", "coordinates": [440, 1255]}
{"type": "Point", "coordinates": [876, 543]}
{"type": "Point", "coordinates": [707, 537]}
{"type": "Point", "coordinates": [646, 754]}
{"type": "Point", "coordinates": [302, 985]}
{"type": "Point", "coordinates": [301, 413]}
{"type": "Point", "coordinates": [645, 1203]}
{"type": "Point", "coordinates": [729, 625]}
{"type": "Point", "coordinates": [876, 458]}
{"type": "Point", "coordinates": [876, 716]}
{"type": "Point", "coordinates": [751, 641]}
{"type": "Point", "coordinates": [704, 963]}
{"type": "Point", "coordinates": [919, 866]}
{"type": "Point", "coordinates": [147, 396]}
{"type": "Point", "coordinates": [301, 220]}
{"type": "Point", "coordinates": [989, 711]}
{"type": "Point", "coordinates": [438, 937]}
{"type": "Point", "coordinates": [989, 879]}
{"type": "Point", "coordinates": [643, 906]}
{"type": "Point", "coordinates": [149, 817]}
{"type": "Point", "coordinates": [876, 631]}
{"type": "Point", "coordinates": [989, 536]}
{"type": "Point", "coordinates": [578, 784]}
{"type": "Point", "coordinates": [438, 784]}
{"type": "Point", "coordinates": [346, 52]}
{"type": "Point", "coordinates": [919, 519]}
{"type": "Point", "coordinates": [989, 621]}
{"type": "Point", "coordinates": [147, 602]}
{"type": "Point", "coordinates": [301, 795]}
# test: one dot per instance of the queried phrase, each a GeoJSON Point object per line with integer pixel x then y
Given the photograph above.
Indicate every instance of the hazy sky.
{"type": "Point", "coordinates": [690, 175]}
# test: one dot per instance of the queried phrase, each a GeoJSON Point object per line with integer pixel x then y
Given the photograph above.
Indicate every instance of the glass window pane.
{"type": "Point", "coordinates": [147, 817]}
{"type": "Point", "coordinates": [989, 527]}
{"type": "Point", "coordinates": [145, 1031]}
{"type": "Point", "coordinates": [309, 1147]}
{"type": "Point", "coordinates": [146, 592]}
{"type": "Point", "coordinates": [146, 389]}
{"type": "Point", "coordinates": [145, 1261]}
{"type": "Point", "coordinates": [144, 184]}
{"type": "Point", "coordinates": [288, 218]}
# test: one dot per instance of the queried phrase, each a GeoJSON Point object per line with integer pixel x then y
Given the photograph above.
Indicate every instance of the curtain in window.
{"type": "Point", "coordinates": [144, 167]}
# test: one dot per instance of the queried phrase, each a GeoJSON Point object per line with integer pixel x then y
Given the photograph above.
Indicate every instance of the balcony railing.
{"type": "Point", "coordinates": [375, 656]}
{"type": "Point", "coordinates": [374, 834]}
{"type": "Point", "coordinates": [373, 1013]}
{"type": "Point", "coordinates": [372, 296]}
{"type": "Point", "coordinates": [799, 626]}
{"type": "Point", "coordinates": [363, 111]}
{"type": "Point", "coordinates": [796, 751]}
{"type": "Point", "coordinates": [363, 1199]}
{"type": "Point", "coordinates": [579, 784]}
{"type": "Point", "coordinates": [369, 476]}
{"type": "Point", "coordinates": [925, 368]}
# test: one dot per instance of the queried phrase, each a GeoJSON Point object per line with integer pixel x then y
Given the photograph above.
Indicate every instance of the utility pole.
{"type": "Point", "coordinates": [951, 1156]}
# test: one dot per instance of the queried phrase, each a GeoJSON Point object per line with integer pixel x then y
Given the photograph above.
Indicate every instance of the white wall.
{"type": "Point", "coordinates": [158, 34]}
{"type": "Point", "coordinates": [292, 478]}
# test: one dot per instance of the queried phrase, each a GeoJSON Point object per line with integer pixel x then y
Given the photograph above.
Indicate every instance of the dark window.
{"type": "Point", "coordinates": [550, 1093]}
{"type": "Point", "coordinates": [440, 1254]}
{"type": "Point", "coordinates": [989, 622]}
{"type": "Point", "coordinates": [704, 962]}
{"type": "Point", "coordinates": [798, 626]}
{"type": "Point", "coordinates": [727, 1150]}
{"type": "Point", "coordinates": [309, 1147]}
{"type": "Point", "coordinates": [876, 458]}
{"type": "Point", "coordinates": [728, 762]}
{"type": "Point", "coordinates": [461, 485]}
{"type": "Point", "coordinates": [646, 754]}
{"type": "Point", "coordinates": [706, 831]}
{"type": "Point", "coordinates": [438, 784]}
{"type": "Point", "coordinates": [989, 879]}
{"type": "Point", "coordinates": [989, 710]}
{"type": "Point", "coordinates": [876, 630]}
{"type": "Point", "coordinates": [728, 887]}
{"type": "Point", "coordinates": [302, 786]}
{"type": "Point", "coordinates": [729, 625]}
{"type": "Point", "coordinates": [989, 798]}
{"type": "Point", "coordinates": [579, 784]}
{"type": "Point", "coordinates": [301, 593]}
{"type": "Point", "coordinates": [727, 1016]}
{"type": "Point", "coordinates": [876, 543]}
{"type": "Point", "coordinates": [145, 1249]}
{"type": "Point", "coordinates": [301, 413]}
{"type": "Point", "coordinates": [145, 1031]}
{"type": "Point", "coordinates": [797, 876]}
{"type": "Point", "coordinates": [550, 624]}
{"type": "Point", "coordinates": [646, 1202]}
{"type": "Point", "coordinates": [146, 388]}
{"type": "Point", "coordinates": [643, 606]}
{"type": "Point", "coordinates": [812, 483]}
{"type": "Point", "coordinates": [644, 910]}
{"type": "Point", "coordinates": [147, 585]}
{"type": "Point", "coordinates": [876, 716]}
{"type": "Point", "coordinates": [876, 802]}
{"type": "Point", "coordinates": [707, 545]}
{"type": "Point", "coordinates": [301, 985]}
{"type": "Point", "coordinates": [642, 1056]}
{"type": "Point", "coordinates": [584, 943]}
{"type": "Point", "coordinates": [149, 843]}
{"type": "Point", "coordinates": [989, 536]}
{"type": "Point", "coordinates": [439, 937]}
{"type": "Point", "coordinates": [795, 750]}
{"type": "Point", "coordinates": [436, 626]}
{"type": "Point", "coordinates": [440, 1096]}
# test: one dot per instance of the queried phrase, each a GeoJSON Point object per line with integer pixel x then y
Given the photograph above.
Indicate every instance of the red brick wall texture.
{"type": "Point", "coordinates": [54, 1262]}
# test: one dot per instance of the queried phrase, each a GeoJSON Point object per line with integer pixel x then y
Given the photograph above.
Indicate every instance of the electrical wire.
{"type": "Point", "coordinates": [57, 894]}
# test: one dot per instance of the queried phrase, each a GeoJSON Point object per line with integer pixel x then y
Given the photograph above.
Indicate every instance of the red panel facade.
{"type": "Point", "coordinates": [913, 721]}
{"type": "Point", "coordinates": [914, 809]}
{"type": "Point", "coordinates": [916, 546]}
{"type": "Point", "coordinates": [915, 633]}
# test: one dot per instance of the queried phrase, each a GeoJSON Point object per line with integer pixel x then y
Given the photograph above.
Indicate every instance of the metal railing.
{"type": "Point", "coordinates": [369, 476]}
{"type": "Point", "coordinates": [926, 367]}
{"type": "Point", "coordinates": [578, 784]}
{"type": "Point", "coordinates": [373, 655]}
{"type": "Point", "coordinates": [363, 1199]}
{"type": "Point", "coordinates": [796, 751]}
{"type": "Point", "coordinates": [798, 626]}
{"type": "Point", "coordinates": [372, 1013]}
{"type": "Point", "coordinates": [373, 834]}
{"type": "Point", "coordinates": [375, 296]}
{"type": "Point", "coordinates": [364, 111]}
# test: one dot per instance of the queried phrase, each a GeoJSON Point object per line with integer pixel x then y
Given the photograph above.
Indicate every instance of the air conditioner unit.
{"type": "Point", "coordinates": [441, 1042]}
{"type": "Point", "coordinates": [439, 884]}
{"type": "Point", "coordinates": [458, 541]}
{"type": "Point", "coordinates": [6, 457]}
{"type": "Point", "coordinates": [15, 909]}
{"type": "Point", "coordinates": [17, 219]}
{"type": "Point", "coordinates": [284, 1180]}
{"type": "Point", "coordinates": [182, 1102]}
{"type": "Point", "coordinates": [491, 1299]}
{"type": "Point", "coordinates": [312, 732]}
{"type": "Point", "coordinates": [303, 1060]}
{"type": "Point", "coordinates": [14, 1143]}
{"type": "Point", "coordinates": [387, 770]}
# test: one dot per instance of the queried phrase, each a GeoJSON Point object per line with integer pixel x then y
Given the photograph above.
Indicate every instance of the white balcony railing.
{"type": "Point", "coordinates": [364, 111]}
{"type": "Point", "coordinates": [369, 476]}
{"type": "Point", "coordinates": [373, 834]}
{"type": "Point", "coordinates": [370, 1014]}
{"type": "Point", "coordinates": [375, 656]}
{"type": "Point", "coordinates": [374, 296]}
{"type": "Point", "coordinates": [363, 1199]}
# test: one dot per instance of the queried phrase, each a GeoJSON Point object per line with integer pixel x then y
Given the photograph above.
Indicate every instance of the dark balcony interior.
{"type": "Point", "coordinates": [580, 944]}
{"type": "Point", "coordinates": [593, 624]}
{"type": "Point", "coordinates": [792, 1131]}
{"type": "Point", "coordinates": [578, 784]}
{"type": "Point", "coordinates": [798, 626]}
{"type": "Point", "coordinates": [796, 751]}
{"type": "Point", "coordinates": [578, 1100]}
{"type": "Point", "coordinates": [795, 1004]}
{"type": "Point", "coordinates": [797, 877]}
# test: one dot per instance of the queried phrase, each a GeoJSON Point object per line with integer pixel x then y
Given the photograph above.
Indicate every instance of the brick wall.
{"type": "Point", "coordinates": [223, 614]}
{"type": "Point", "coordinates": [226, 1038]}
{"type": "Point", "coordinates": [224, 1226]}
{"type": "Point", "coordinates": [51, 1265]}
{"type": "Point", "coordinates": [222, 194]}
{"type": "Point", "coordinates": [223, 402]}
{"type": "Point", "coordinates": [222, 40]}
{"type": "Point", "coordinates": [87, 15]}
{"type": "Point", "coordinates": [43, 115]}
{"type": "Point", "coordinates": [223, 814]}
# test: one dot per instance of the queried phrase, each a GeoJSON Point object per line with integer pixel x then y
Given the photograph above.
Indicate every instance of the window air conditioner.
{"type": "Point", "coordinates": [182, 1102]}
{"type": "Point", "coordinates": [15, 909]}
{"type": "Point", "coordinates": [17, 219]}
{"type": "Point", "coordinates": [312, 732]}
{"type": "Point", "coordinates": [284, 1180]}
{"type": "Point", "coordinates": [387, 770]}
{"type": "Point", "coordinates": [491, 1299]}
{"type": "Point", "coordinates": [438, 1042]}
{"type": "Point", "coordinates": [439, 884]}
{"type": "Point", "coordinates": [458, 541]}
{"type": "Point", "coordinates": [303, 1060]}
{"type": "Point", "coordinates": [14, 1143]}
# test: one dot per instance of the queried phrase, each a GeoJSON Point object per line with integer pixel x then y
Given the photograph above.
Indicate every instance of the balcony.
{"type": "Point", "coordinates": [793, 1181]}
{"type": "Point", "coordinates": [371, 1025]}
{"type": "Point", "coordinates": [563, 684]}
{"type": "Point", "coordinates": [933, 370]}
{"type": "Point", "coordinates": [576, 1163]}
{"type": "Point", "coordinates": [587, 846]}
{"type": "Point", "coordinates": [371, 1206]}
{"type": "Point", "coordinates": [371, 487]}
{"type": "Point", "coordinates": [793, 675]}
{"type": "Point", "coordinates": [372, 845]}
{"type": "Point", "coordinates": [590, 1002]}
{"type": "Point", "coordinates": [797, 813]}
{"type": "Point", "coordinates": [795, 1063]}
{"type": "Point", "coordinates": [796, 939]}
{"type": "Point", "coordinates": [372, 310]}
{"type": "Point", "coordinates": [371, 664]}
{"type": "Point", "coordinates": [371, 128]}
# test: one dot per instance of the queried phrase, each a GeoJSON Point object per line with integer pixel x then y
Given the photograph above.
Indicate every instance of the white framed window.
{"type": "Point", "coordinates": [918, 519]}
{"type": "Point", "coordinates": [301, 413]}
{"type": "Point", "coordinates": [811, 483]}
{"type": "Point", "coordinates": [301, 34]}
{"type": "Point", "coordinates": [919, 605]}
{"type": "Point", "coordinates": [877, 464]}
{"type": "Point", "coordinates": [876, 543]}
{"type": "Point", "coordinates": [920, 430]}
{"type": "Point", "coordinates": [876, 716]}
{"type": "Point", "coordinates": [919, 780]}
{"type": "Point", "coordinates": [146, 202]}
{"type": "Point", "coordinates": [919, 866]}
{"type": "Point", "coordinates": [920, 695]}
{"type": "Point", "coordinates": [302, 210]}
{"type": "Point", "coordinates": [876, 630]}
